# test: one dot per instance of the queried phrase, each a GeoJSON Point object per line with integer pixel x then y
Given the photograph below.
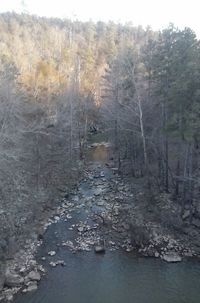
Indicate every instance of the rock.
{"type": "Point", "coordinates": [23, 270]}
{"type": "Point", "coordinates": [100, 203]}
{"type": "Point", "coordinates": [112, 243]}
{"type": "Point", "coordinates": [171, 258]}
{"type": "Point", "coordinates": [75, 198]}
{"type": "Point", "coordinates": [9, 298]}
{"type": "Point", "coordinates": [69, 216]}
{"type": "Point", "coordinates": [31, 287]}
{"type": "Point", "coordinates": [32, 263]}
{"type": "Point", "coordinates": [188, 254]}
{"type": "Point", "coordinates": [56, 218]}
{"type": "Point", "coordinates": [52, 253]}
{"type": "Point", "coordinates": [61, 262]}
{"type": "Point", "coordinates": [99, 249]}
{"type": "Point", "coordinates": [129, 249]}
{"type": "Point", "coordinates": [98, 191]}
{"type": "Point", "coordinates": [80, 228]}
{"type": "Point", "coordinates": [34, 276]}
{"type": "Point", "coordinates": [41, 268]}
{"type": "Point", "coordinates": [157, 254]}
{"type": "Point", "coordinates": [13, 279]}
{"type": "Point", "coordinates": [53, 264]}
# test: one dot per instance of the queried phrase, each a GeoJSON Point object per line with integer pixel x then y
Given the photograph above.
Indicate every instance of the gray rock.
{"type": "Point", "coordinates": [51, 253]}
{"type": "Point", "coordinates": [100, 203]}
{"type": "Point", "coordinates": [31, 287]}
{"type": "Point", "coordinates": [99, 249]}
{"type": "Point", "coordinates": [102, 174]}
{"type": "Point", "coordinates": [98, 191]}
{"type": "Point", "coordinates": [41, 268]}
{"type": "Point", "coordinates": [9, 298]}
{"type": "Point", "coordinates": [53, 264]}
{"type": "Point", "coordinates": [56, 218]}
{"type": "Point", "coordinates": [34, 276]}
{"type": "Point", "coordinates": [80, 228]}
{"type": "Point", "coordinates": [13, 279]}
{"type": "Point", "coordinates": [32, 263]}
{"type": "Point", "coordinates": [59, 262]}
{"type": "Point", "coordinates": [171, 258]}
{"type": "Point", "coordinates": [23, 270]}
{"type": "Point", "coordinates": [129, 249]}
{"type": "Point", "coordinates": [114, 169]}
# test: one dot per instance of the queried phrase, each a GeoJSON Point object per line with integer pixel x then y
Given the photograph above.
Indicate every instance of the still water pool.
{"type": "Point", "coordinates": [115, 277]}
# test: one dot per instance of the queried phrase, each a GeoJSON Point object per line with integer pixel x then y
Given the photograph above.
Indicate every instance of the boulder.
{"type": "Point", "coordinates": [31, 287]}
{"type": "Point", "coordinates": [171, 258]}
{"type": "Point", "coordinates": [80, 228]}
{"type": "Point", "coordinates": [10, 298]}
{"type": "Point", "coordinates": [51, 253]}
{"type": "Point", "coordinates": [13, 279]}
{"type": "Point", "coordinates": [99, 249]}
{"type": "Point", "coordinates": [34, 276]}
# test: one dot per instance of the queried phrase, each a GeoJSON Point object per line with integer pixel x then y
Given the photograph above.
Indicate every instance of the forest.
{"type": "Point", "coordinates": [61, 81]}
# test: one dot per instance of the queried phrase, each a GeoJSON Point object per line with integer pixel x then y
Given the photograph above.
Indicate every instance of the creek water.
{"type": "Point", "coordinates": [113, 277]}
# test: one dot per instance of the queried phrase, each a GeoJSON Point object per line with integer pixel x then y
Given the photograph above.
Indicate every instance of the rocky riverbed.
{"type": "Point", "coordinates": [103, 214]}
